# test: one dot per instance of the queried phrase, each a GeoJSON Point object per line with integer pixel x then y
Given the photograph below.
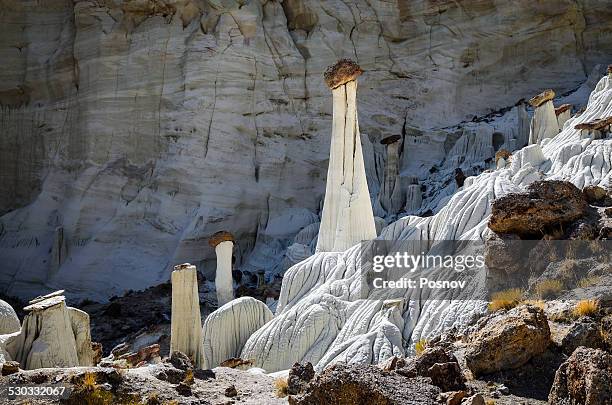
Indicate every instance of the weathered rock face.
{"type": "Point", "coordinates": [435, 363]}
{"type": "Point", "coordinates": [157, 123]}
{"type": "Point", "coordinates": [226, 330]}
{"type": "Point", "coordinates": [360, 385]}
{"type": "Point", "coordinates": [52, 335]}
{"type": "Point", "coordinates": [585, 378]}
{"type": "Point", "coordinates": [507, 340]}
{"type": "Point", "coordinates": [299, 377]}
{"type": "Point", "coordinates": [546, 204]}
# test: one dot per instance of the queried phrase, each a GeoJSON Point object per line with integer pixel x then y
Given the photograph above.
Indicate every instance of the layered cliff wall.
{"type": "Point", "coordinates": [130, 131]}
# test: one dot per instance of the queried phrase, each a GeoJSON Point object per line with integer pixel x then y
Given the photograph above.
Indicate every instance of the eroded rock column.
{"type": "Point", "coordinates": [544, 122]}
{"type": "Point", "coordinates": [414, 196]}
{"type": "Point", "coordinates": [186, 324]}
{"type": "Point", "coordinates": [390, 197]}
{"type": "Point", "coordinates": [52, 335]}
{"type": "Point", "coordinates": [223, 243]}
{"type": "Point", "coordinates": [347, 216]}
{"type": "Point", "coordinates": [563, 113]}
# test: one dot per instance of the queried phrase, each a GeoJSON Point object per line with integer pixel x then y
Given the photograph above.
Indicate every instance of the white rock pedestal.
{"type": "Point", "coordinates": [186, 324]}
{"type": "Point", "coordinates": [563, 113]}
{"type": "Point", "coordinates": [544, 122]}
{"type": "Point", "coordinates": [347, 216]}
{"type": "Point", "coordinates": [52, 335]}
{"type": "Point", "coordinates": [223, 243]}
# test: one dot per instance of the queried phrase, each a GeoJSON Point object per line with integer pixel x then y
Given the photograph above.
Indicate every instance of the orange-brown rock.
{"type": "Point", "coordinates": [218, 237]}
{"type": "Point", "coordinates": [599, 124]}
{"type": "Point", "coordinates": [236, 362]}
{"type": "Point", "coordinates": [507, 340]}
{"type": "Point", "coordinates": [502, 153]}
{"type": "Point", "coordinates": [562, 108]}
{"type": "Point", "coordinates": [143, 355]}
{"type": "Point", "coordinates": [342, 72]}
{"type": "Point", "coordinates": [585, 378]}
{"type": "Point", "coordinates": [546, 204]}
{"type": "Point", "coordinates": [97, 352]}
{"type": "Point", "coordinates": [541, 98]}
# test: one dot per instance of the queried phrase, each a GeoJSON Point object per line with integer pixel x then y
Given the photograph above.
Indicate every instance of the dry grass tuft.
{"type": "Point", "coordinates": [586, 308]}
{"type": "Point", "coordinates": [281, 386]}
{"type": "Point", "coordinates": [548, 288]}
{"type": "Point", "coordinates": [506, 299]}
{"type": "Point", "coordinates": [188, 379]}
{"type": "Point", "coordinates": [89, 381]}
{"type": "Point", "coordinates": [420, 346]}
{"type": "Point", "coordinates": [588, 281]}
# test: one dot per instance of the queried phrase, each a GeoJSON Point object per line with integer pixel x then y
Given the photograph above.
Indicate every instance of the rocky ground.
{"type": "Point", "coordinates": [170, 382]}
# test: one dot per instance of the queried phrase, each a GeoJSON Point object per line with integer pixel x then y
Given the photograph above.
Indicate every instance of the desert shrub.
{"type": "Point", "coordinates": [586, 308]}
{"type": "Point", "coordinates": [420, 346]}
{"type": "Point", "coordinates": [506, 299]}
{"type": "Point", "coordinates": [88, 392]}
{"type": "Point", "coordinates": [548, 288]}
{"type": "Point", "coordinates": [281, 386]}
{"type": "Point", "coordinates": [188, 379]}
{"type": "Point", "coordinates": [588, 281]}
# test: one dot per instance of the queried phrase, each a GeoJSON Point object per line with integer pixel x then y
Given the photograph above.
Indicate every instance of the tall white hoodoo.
{"type": "Point", "coordinates": [223, 242]}
{"type": "Point", "coordinates": [347, 216]}
{"type": "Point", "coordinates": [186, 324]}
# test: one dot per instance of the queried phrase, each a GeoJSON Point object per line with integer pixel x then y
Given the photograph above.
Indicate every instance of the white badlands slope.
{"type": "Point", "coordinates": [321, 317]}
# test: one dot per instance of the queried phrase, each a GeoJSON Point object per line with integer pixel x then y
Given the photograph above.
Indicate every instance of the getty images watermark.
{"type": "Point", "coordinates": [475, 270]}
{"type": "Point", "coordinates": [434, 269]}
{"type": "Point", "coordinates": [409, 264]}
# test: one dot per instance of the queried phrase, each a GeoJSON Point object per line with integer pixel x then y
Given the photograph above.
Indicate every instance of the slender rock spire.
{"type": "Point", "coordinates": [347, 216]}
{"type": "Point", "coordinates": [223, 242]}
{"type": "Point", "coordinates": [390, 197]}
{"type": "Point", "coordinates": [544, 122]}
{"type": "Point", "coordinates": [186, 324]}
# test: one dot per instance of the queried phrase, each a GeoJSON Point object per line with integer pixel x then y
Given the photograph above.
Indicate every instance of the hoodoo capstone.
{"type": "Point", "coordinates": [347, 216]}
{"type": "Point", "coordinates": [186, 324]}
{"type": "Point", "coordinates": [544, 122]}
{"type": "Point", "coordinates": [223, 243]}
